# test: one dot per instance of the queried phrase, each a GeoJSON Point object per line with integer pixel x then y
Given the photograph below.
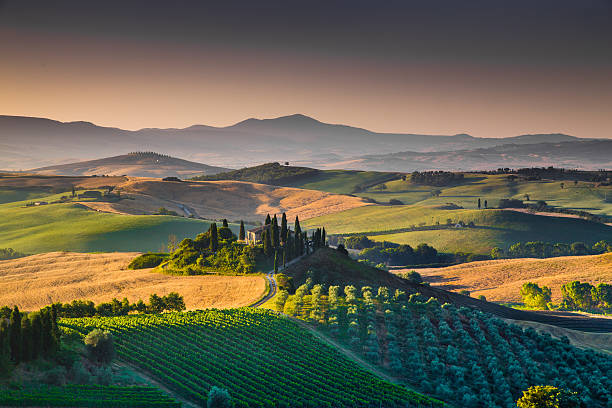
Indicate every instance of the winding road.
{"type": "Point", "coordinates": [271, 291]}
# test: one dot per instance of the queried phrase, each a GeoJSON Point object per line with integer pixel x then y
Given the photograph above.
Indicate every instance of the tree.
{"type": "Point", "coordinates": [341, 249]}
{"type": "Point", "coordinates": [214, 237]}
{"type": "Point", "coordinates": [579, 248]}
{"type": "Point", "coordinates": [602, 295]}
{"type": "Point", "coordinates": [37, 340]}
{"type": "Point", "coordinates": [274, 232]}
{"type": "Point", "coordinates": [242, 234]}
{"type": "Point", "coordinates": [49, 340]}
{"type": "Point", "coordinates": [174, 301]}
{"type": "Point", "coordinates": [275, 261]}
{"type": "Point", "coordinates": [100, 346]}
{"type": "Point", "coordinates": [577, 295]}
{"type": "Point", "coordinates": [479, 203]}
{"type": "Point", "coordinates": [546, 396]}
{"type": "Point", "coordinates": [534, 296]}
{"type": "Point", "coordinates": [218, 398]}
{"type": "Point", "coordinates": [26, 340]}
{"type": "Point", "coordinates": [323, 237]}
{"type": "Point", "coordinates": [15, 330]}
{"type": "Point", "coordinates": [172, 243]}
{"type": "Point", "coordinates": [225, 224]}
{"type": "Point", "coordinates": [601, 247]}
{"type": "Point", "coordinates": [497, 253]}
{"type": "Point", "coordinates": [156, 304]}
{"type": "Point", "coordinates": [5, 348]}
{"type": "Point", "coordinates": [267, 242]}
{"type": "Point", "coordinates": [268, 220]}
{"type": "Point", "coordinates": [283, 229]}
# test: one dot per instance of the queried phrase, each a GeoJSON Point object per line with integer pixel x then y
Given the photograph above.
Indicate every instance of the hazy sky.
{"type": "Point", "coordinates": [489, 68]}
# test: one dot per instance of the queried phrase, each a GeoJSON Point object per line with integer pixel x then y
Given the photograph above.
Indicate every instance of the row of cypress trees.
{"type": "Point", "coordinates": [27, 337]}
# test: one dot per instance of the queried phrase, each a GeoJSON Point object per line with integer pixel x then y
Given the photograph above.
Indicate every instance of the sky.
{"type": "Point", "coordinates": [490, 68]}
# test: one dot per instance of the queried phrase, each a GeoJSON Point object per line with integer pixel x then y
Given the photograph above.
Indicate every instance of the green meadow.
{"type": "Point", "coordinates": [72, 227]}
{"type": "Point", "coordinates": [491, 227]}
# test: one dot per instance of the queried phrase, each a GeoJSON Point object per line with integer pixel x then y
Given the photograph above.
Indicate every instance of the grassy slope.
{"type": "Point", "coordinates": [339, 181]}
{"type": "Point", "coordinates": [494, 227]}
{"type": "Point", "coordinates": [584, 195]}
{"type": "Point", "coordinates": [70, 227]}
{"type": "Point", "coordinates": [8, 195]}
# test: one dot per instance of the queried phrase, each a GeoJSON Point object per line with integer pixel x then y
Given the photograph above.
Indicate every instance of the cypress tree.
{"type": "Point", "coordinates": [268, 220]}
{"type": "Point", "coordinates": [214, 237]}
{"type": "Point", "coordinates": [225, 224]}
{"type": "Point", "coordinates": [267, 243]}
{"type": "Point", "coordinates": [479, 203]}
{"type": "Point", "coordinates": [15, 333]}
{"type": "Point", "coordinates": [48, 336]}
{"type": "Point", "coordinates": [323, 238]}
{"type": "Point", "coordinates": [274, 236]}
{"type": "Point", "coordinates": [5, 348]}
{"type": "Point", "coordinates": [37, 342]}
{"type": "Point", "coordinates": [299, 239]}
{"type": "Point", "coordinates": [56, 330]}
{"type": "Point", "coordinates": [284, 229]}
{"type": "Point", "coordinates": [296, 227]}
{"type": "Point", "coordinates": [275, 261]}
{"type": "Point", "coordinates": [284, 256]}
{"type": "Point", "coordinates": [26, 340]}
{"type": "Point", "coordinates": [242, 234]}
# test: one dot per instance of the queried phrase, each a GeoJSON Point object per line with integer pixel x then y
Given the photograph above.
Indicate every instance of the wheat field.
{"type": "Point", "coordinates": [501, 280]}
{"type": "Point", "coordinates": [38, 280]}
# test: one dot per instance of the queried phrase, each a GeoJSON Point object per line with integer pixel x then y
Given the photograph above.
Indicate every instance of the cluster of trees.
{"type": "Point", "coordinates": [577, 296]}
{"type": "Point", "coordinates": [86, 308]}
{"type": "Point", "coordinates": [586, 297]}
{"type": "Point", "coordinates": [26, 337]}
{"type": "Point", "coordinates": [539, 249]}
{"type": "Point", "coordinates": [553, 173]}
{"type": "Point", "coordinates": [10, 253]}
{"type": "Point", "coordinates": [435, 178]}
{"type": "Point", "coordinates": [165, 211]}
{"type": "Point", "coordinates": [389, 253]}
{"type": "Point", "coordinates": [547, 396]}
{"type": "Point", "coordinates": [268, 173]}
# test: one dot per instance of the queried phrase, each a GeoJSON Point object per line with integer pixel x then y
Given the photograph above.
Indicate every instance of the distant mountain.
{"type": "Point", "coordinates": [133, 164]}
{"type": "Point", "coordinates": [586, 155]}
{"type": "Point", "coordinates": [34, 142]}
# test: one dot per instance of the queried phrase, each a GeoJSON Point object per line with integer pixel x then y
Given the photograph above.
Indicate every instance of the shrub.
{"type": "Point", "coordinates": [412, 277]}
{"type": "Point", "coordinates": [548, 397]}
{"type": "Point", "coordinates": [100, 346]}
{"type": "Point", "coordinates": [218, 398]}
{"type": "Point", "coordinates": [148, 260]}
{"type": "Point", "coordinates": [534, 296]}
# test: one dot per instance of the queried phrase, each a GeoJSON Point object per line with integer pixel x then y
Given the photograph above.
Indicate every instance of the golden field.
{"type": "Point", "coordinates": [501, 280]}
{"type": "Point", "coordinates": [38, 280]}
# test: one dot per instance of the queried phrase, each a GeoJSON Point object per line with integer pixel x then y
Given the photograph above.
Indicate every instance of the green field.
{"type": "Point", "coordinates": [262, 359]}
{"type": "Point", "coordinates": [341, 181]}
{"type": "Point", "coordinates": [581, 196]}
{"type": "Point", "coordinates": [72, 227]}
{"type": "Point", "coordinates": [492, 227]}
{"type": "Point", "coordinates": [86, 396]}
{"type": "Point", "coordinates": [8, 195]}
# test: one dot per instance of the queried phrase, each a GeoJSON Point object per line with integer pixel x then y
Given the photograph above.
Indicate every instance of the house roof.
{"type": "Point", "coordinates": [258, 229]}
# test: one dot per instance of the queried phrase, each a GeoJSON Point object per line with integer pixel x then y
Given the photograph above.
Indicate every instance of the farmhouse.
{"type": "Point", "coordinates": [253, 235]}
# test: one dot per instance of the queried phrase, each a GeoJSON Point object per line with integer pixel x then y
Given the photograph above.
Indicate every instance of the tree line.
{"type": "Point", "coordinates": [435, 178]}
{"type": "Point", "coordinates": [577, 296]}
{"type": "Point", "coordinates": [539, 249]}
{"type": "Point", "coordinates": [26, 337]}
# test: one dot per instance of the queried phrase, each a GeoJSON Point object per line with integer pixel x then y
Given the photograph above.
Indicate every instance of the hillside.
{"type": "Point", "coordinates": [501, 280]}
{"type": "Point", "coordinates": [140, 164]}
{"type": "Point", "coordinates": [294, 138]}
{"type": "Point", "coordinates": [262, 359]}
{"type": "Point", "coordinates": [66, 276]}
{"type": "Point", "coordinates": [74, 227]}
{"type": "Point", "coordinates": [591, 155]}
{"type": "Point", "coordinates": [233, 200]}
{"type": "Point", "coordinates": [416, 224]}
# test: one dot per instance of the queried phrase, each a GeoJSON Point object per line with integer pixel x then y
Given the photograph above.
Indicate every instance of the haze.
{"type": "Point", "coordinates": [487, 68]}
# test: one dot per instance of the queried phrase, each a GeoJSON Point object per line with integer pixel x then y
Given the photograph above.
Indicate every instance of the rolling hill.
{"type": "Point", "coordinates": [295, 138]}
{"type": "Point", "coordinates": [501, 280]}
{"type": "Point", "coordinates": [416, 224]}
{"type": "Point", "coordinates": [66, 276]}
{"type": "Point", "coordinates": [141, 164]}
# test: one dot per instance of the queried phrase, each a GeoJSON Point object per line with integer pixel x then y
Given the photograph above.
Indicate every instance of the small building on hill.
{"type": "Point", "coordinates": [253, 235]}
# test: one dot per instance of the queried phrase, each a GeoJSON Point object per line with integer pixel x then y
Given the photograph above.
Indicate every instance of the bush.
{"type": "Point", "coordinates": [148, 260]}
{"type": "Point", "coordinates": [218, 398]}
{"type": "Point", "coordinates": [534, 296]}
{"type": "Point", "coordinates": [548, 397]}
{"type": "Point", "coordinates": [412, 277]}
{"type": "Point", "coordinates": [100, 346]}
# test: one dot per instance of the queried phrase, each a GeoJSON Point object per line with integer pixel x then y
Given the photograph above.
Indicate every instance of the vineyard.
{"type": "Point", "coordinates": [87, 396]}
{"type": "Point", "coordinates": [463, 356]}
{"type": "Point", "coordinates": [263, 360]}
